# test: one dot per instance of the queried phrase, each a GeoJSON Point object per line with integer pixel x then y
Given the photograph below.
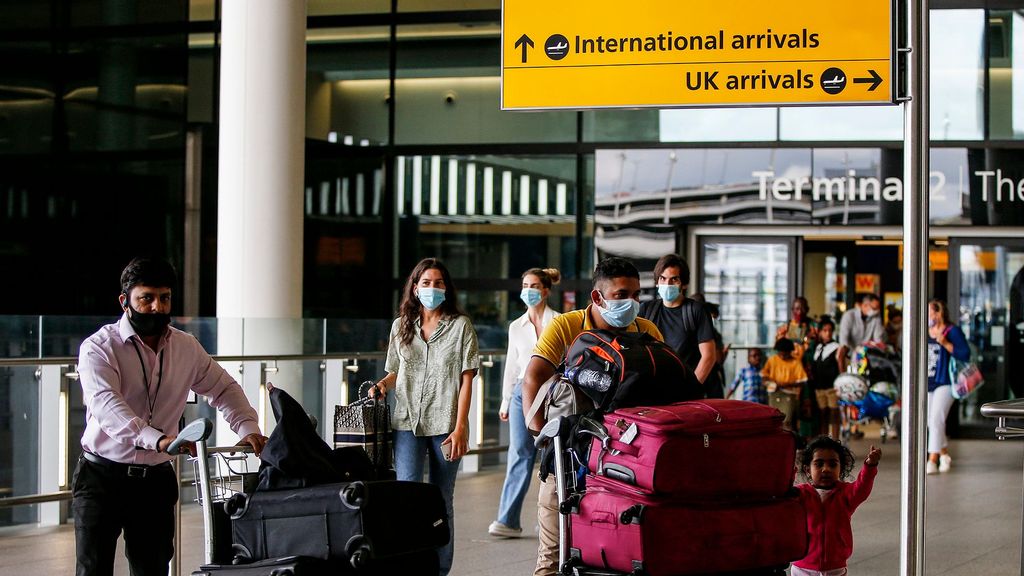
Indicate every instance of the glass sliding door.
{"type": "Point", "coordinates": [753, 281]}
{"type": "Point", "coordinates": [987, 302]}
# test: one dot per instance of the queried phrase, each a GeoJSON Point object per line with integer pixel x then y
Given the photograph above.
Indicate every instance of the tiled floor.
{"type": "Point", "coordinates": [973, 523]}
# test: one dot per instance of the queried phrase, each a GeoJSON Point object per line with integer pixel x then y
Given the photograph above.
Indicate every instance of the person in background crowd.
{"type": "Point", "coordinates": [802, 331]}
{"type": "Point", "coordinates": [894, 329]}
{"type": "Point", "coordinates": [685, 322]}
{"type": "Point", "coordinates": [824, 370]}
{"type": "Point", "coordinates": [715, 384]}
{"type": "Point", "coordinates": [859, 324]}
{"type": "Point", "coordinates": [431, 361]}
{"type": "Point", "coordinates": [945, 339]}
{"type": "Point", "coordinates": [748, 380]}
{"type": "Point", "coordinates": [784, 376]}
{"type": "Point", "coordinates": [136, 375]}
{"type": "Point", "coordinates": [800, 328]}
{"type": "Point", "coordinates": [615, 304]}
{"type": "Point", "coordinates": [522, 337]}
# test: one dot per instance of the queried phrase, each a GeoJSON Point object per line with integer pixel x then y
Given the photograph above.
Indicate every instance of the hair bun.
{"type": "Point", "coordinates": [553, 274]}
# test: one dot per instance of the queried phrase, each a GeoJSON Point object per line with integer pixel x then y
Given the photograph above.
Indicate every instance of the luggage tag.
{"type": "Point", "coordinates": [627, 437]}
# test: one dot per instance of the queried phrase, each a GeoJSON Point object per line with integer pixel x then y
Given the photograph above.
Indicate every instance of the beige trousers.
{"type": "Point", "coordinates": [547, 529]}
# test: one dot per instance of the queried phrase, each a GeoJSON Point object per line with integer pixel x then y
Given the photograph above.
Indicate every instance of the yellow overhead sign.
{"type": "Point", "coordinates": [665, 53]}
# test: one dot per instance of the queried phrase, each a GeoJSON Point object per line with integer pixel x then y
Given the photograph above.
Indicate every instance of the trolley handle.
{"type": "Point", "coordinates": [238, 448]}
{"type": "Point", "coordinates": [197, 430]}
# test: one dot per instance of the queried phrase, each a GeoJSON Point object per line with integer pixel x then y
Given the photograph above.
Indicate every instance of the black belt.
{"type": "Point", "coordinates": [130, 470]}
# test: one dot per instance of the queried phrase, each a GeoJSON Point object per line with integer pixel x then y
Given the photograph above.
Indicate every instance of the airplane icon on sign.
{"type": "Point", "coordinates": [556, 46]}
{"type": "Point", "coordinates": [835, 80]}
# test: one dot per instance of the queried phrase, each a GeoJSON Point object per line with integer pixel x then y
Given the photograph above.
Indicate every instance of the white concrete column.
{"type": "Point", "coordinates": [50, 451]}
{"type": "Point", "coordinates": [262, 126]}
{"type": "Point", "coordinates": [260, 180]}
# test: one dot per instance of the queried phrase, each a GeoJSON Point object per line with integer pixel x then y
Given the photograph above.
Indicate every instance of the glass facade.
{"type": "Point", "coordinates": [107, 107]}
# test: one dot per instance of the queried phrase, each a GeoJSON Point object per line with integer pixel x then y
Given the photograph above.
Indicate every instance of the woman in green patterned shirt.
{"type": "Point", "coordinates": [432, 359]}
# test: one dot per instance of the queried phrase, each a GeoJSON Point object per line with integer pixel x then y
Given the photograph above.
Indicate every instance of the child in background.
{"type": "Point", "coordinates": [830, 503]}
{"type": "Point", "coordinates": [824, 370]}
{"type": "Point", "coordinates": [784, 375]}
{"type": "Point", "coordinates": [749, 377]}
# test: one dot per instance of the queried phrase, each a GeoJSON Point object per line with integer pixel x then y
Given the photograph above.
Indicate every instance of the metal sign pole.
{"type": "Point", "coordinates": [915, 292]}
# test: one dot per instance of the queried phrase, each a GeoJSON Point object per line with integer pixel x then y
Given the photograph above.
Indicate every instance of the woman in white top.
{"type": "Point", "coordinates": [522, 337]}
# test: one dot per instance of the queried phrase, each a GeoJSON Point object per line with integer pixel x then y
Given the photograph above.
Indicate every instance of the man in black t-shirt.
{"type": "Point", "coordinates": [685, 323]}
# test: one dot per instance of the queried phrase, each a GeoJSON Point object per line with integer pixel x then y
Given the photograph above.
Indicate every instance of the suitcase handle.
{"type": "Point", "coordinates": [623, 448]}
{"type": "Point", "coordinates": [620, 473]}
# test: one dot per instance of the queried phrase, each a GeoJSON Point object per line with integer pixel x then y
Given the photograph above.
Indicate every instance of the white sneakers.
{"type": "Point", "coordinates": [502, 531]}
{"type": "Point", "coordinates": [945, 461]}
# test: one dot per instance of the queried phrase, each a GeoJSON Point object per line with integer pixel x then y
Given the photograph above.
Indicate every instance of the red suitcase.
{"type": "Point", "coordinates": [658, 537]}
{"type": "Point", "coordinates": [699, 450]}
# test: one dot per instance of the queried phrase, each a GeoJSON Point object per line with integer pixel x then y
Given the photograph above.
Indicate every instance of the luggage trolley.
{"type": "Point", "coordinates": [215, 484]}
{"type": "Point", "coordinates": [568, 469]}
{"type": "Point", "coordinates": [364, 508]}
{"type": "Point", "coordinates": [220, 473]}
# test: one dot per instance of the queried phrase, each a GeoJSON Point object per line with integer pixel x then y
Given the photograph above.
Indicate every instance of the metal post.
{"type": "Point", "coordinates": [175, 568]}
{"type": "Point", "coordinates": [915, 291]}
{"type": "Point", "coordinates": [207, 496]}
{"type": "Point", "coordinates": [563, 523]}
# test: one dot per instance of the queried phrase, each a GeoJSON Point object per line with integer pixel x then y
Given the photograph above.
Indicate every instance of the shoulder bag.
{"type": "Point", "coordinates": [964, 377]}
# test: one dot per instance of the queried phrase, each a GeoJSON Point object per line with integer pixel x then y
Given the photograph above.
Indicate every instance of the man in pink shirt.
{"type": "Point", "coordinates": [136, 375]}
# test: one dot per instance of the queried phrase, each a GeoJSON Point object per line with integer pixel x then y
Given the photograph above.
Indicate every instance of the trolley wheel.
{"type": "Point", "coordinates": [354, 495]}
{"type": "Point", "coordinates": [360, 558]}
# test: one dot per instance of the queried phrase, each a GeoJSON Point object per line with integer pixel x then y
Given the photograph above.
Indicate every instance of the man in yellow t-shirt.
{"type": "Point", "coordinates": [615, 304]}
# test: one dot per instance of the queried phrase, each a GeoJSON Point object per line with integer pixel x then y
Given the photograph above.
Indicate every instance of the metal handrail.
{"type": "Point", "coordinates": [63, 495]}
{"type": "Point", "coordinates": [64, 360]}
{"type": "Point", "coordinates": [1001, 410]}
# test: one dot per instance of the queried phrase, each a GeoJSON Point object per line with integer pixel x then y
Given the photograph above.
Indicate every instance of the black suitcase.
{"type": "Point", "coordinates": [286, 566]}
{"type": "Point", "coordinates": [355, 521]}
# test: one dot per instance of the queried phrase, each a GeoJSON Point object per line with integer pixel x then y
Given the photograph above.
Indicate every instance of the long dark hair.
{"type": "Point", "coordinates": [410, 308]}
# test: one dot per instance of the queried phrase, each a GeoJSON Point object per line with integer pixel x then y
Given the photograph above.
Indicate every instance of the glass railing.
{"type": "Point", "coordinates": [320, 362]}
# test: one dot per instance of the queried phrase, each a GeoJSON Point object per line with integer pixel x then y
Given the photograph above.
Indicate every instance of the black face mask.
{"type": "Point", "coordinates": [152, 324]}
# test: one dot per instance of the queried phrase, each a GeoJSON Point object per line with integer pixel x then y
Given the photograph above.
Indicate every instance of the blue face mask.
{"type": "Point", "coordinates": [619, 313]}
{"type": "Point", "coordinates": [530, 296]}
{"type": "Point", "coordinates": [430, 297]}
{"type": "Point", "coordinates": [932, 323]}
{"type": "Point", "coordinates": [668, 292]}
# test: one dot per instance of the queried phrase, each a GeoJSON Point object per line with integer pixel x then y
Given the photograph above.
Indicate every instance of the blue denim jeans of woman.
{"type": "Point", "coordinates": [521, 457]}
{"type": "Point", "coordinates": [410, 452]}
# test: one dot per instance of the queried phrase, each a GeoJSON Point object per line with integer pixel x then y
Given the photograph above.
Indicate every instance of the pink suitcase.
{"type": "Point", "coordinates": [699, 450]}
{"type": "Point", "coordinates": [658, 537]}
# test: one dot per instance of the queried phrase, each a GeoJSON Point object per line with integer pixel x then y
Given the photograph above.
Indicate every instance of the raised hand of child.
{"type": "Point", "coordinates": [874, 455]}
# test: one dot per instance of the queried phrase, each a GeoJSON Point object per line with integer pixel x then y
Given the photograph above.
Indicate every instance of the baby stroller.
{"type": "Point", "coordinates": [870, 391]}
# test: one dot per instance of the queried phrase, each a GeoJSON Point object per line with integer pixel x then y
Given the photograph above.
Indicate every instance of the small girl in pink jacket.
{"type": "Point", "coordinates": [830, 503]}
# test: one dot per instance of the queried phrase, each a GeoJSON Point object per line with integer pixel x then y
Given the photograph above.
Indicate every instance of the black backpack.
{"type": "Point", "coordinates": [623, 369]}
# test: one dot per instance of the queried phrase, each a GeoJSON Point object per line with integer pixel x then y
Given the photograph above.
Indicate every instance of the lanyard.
{"type": "Point", "coordinates": [150, 400]}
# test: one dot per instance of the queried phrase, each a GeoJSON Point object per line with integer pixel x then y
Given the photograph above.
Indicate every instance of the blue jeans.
{"type": "Point", "coordinates": [410, 451]}
{"type": "Point", "coordinates": [521, 457]}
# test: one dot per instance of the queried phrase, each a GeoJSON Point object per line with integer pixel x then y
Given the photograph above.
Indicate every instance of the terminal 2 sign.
{"type": "Point", "coordinates": [699, 53]}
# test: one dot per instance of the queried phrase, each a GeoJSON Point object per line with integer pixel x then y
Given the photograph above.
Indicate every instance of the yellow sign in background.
{"type": "Point", "coordinates": [664, 53]}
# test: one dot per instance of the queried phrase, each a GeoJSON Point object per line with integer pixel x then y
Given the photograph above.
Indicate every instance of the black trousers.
{"type": "Point", "coordinates": [111, 498]}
